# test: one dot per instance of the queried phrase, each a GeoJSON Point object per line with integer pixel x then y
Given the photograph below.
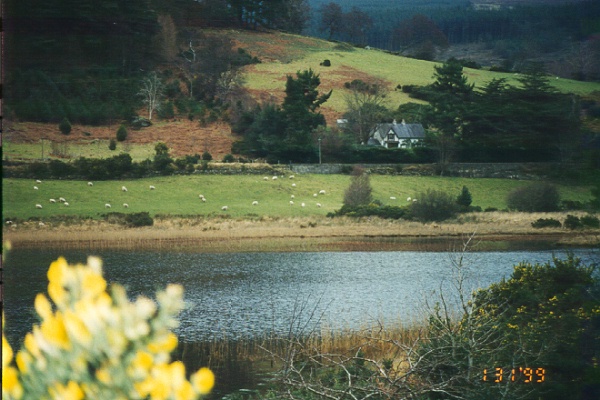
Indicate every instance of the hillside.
{"type": "Point", "coordinates": [280, 55]}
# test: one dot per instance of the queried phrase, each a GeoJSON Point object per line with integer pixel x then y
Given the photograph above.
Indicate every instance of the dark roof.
{"type": "Point", "coordinates": [402, 130]}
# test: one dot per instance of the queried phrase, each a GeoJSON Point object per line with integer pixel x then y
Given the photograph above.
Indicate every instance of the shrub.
{"type": "Point", "coordinates": [93, 342]}
{"type": "Point", "coordinates": [535, 197]}
{"type": "Point", "coordinates": [228, 158]}
{"type": "Point", "coordinates": [590, 221]}
{"type": "Point", "coordinates": [385, 212]}
{"type": "Point", "coordinates": [112, 145]}
{"type": "Point", "coordinates": [64, 126]}
{"type": "Point", "coordinates": [206, 156]}
{"type": "Point", "coordinates": [464, 199]}
{"type": "Point", "coordinates": [546, 223]}
{"type": "Point", "coordinates": [572, 222]}
{"type": "Point", "coordinates": [139, 219]}
{"type": "Point", "coordinates": [359, 191]}
{"type": "Point", "coordinates": [121, 133]}
{"type": "Point", "coordinates": [433, 205]}
{"type": "Point", "coordinates": [326, 63]}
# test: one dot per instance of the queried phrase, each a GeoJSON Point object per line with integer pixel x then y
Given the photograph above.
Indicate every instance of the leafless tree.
{"type": "Point", "coordinates": [151, 92]}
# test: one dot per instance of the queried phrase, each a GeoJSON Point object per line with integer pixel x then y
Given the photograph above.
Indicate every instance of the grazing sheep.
{"type": "Point", "coordinates": [66, 204]}
{"type": "Point", "coordinates": [52, 200]}
{"type": "Point", "coordinates": [224, 208]}
{"type": "Point", "coordinates": [61, 199]}
{"type": "Point", "coordinates": [107, 205]}
{"type": "Point", "coordinates": [123, 188]}
{"type": "Point", "coordinates": [321, 192]}
{"type": "Point", "coordinates": [315, 195]}
{"type": "Point", "coordinates": [293, 185]}
{"type": "Point", "coordinates": [203, 200]}
{"type": "Point", "coordinates": [35, 188]}
{"type": "Point", "coordinates": [9, 222]}
{"type": "Point", "coordinates": [408, 199]}
{"type": "Point", "coordinates": [266, 178]}
{"type": "Point", "coordinates": [414, 200]}
{"type": "Point", "coordinates": [38, 181]}
{"type": "Point", "coordinates": [292, 196]}
{"type": "Point", "coordinates": [201, 196]}
{"type": "Point", "coordinates": [319, 205]}
{"type": "Point", "coordinates": [90, 183]}
{"type": "Point", "coordinates": [292, 176]}
{"type": "Point", "coordinates": [38, 206]}
{"type": "Point", "coordinates": [152, 187]}
{"type": "Point", "coordinates": [125, 205]}
{"type": "Point", "coordinates": [392, 198]}
{"type": "Point", "coordinates": [274, 178]}
{"type": "Point", "coordinates": [291, 203]}
{"type": "Point", "coordinates": [302, 205]}
{"type": "Point", "coordinates": [255, 203]}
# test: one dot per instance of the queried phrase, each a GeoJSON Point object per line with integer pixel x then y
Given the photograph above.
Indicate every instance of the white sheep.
{"type": "Point", "coordinates": [152, 187]}
{"type": "Point", "coordinates": [291, 203]}
{"type": "Point", "coordinates": [224, 208]}
{"type": "Point", "coordinates": [52, 200]}
{"type": "Point", "coordinates": [292, 176]}
{"type": "Point", "coordinates": [293, 185]}
{"type": "Point", "coordinates": [315, 195]}
{"type": "Point", "coordinates": [38, 181]}
{"type": "Point", "coordinates": [201, 196]}
{"type": "Point", "coordinates": [292, 197]}
{"type": "Point", "coordinates": [90, 183]}
{"type": "Point", "coordinates": [303, 205]}
{"type": "Point", "coordinates": [35, 188]}
{"type": "Point", "coordinates": [62, 199]}
{"type": "Point", "coordinates": [266, 178]}
{"type": "Point", "coordinates": [319, 205]}
{"type": "Point", "coordinates": [392, 198]}
{"type": "Point", "coordinates": [38, 206]}
{"type": "Point", "coordinates": [107, 205]}
{"type": "Point", "coordinates": [123, 188]}
{"type": "Point", "coordinates": [9, 222]}
{"type": "Point", "coordinates": [321, 192]}
{"type": "Point", "coordinates": [408, 199]}
{"type": "Point", "coordinates": [255, 203]}
{"type": "Point", "coordinates": [203, 200]}
{"type": "Point", "coordinates": [274, 178]}
{"type": "Point", "coordinates": [66, 204]}
{"type": "Point", "coordinates": [414, 200]}
{"type": "Point", "coordinates": [125, 205]}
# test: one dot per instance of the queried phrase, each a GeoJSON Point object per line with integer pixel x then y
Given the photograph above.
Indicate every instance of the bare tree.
{"type": "Point", "coordinates": [151, 91]}
{"type": "Point", "coordinates": [365, 105]}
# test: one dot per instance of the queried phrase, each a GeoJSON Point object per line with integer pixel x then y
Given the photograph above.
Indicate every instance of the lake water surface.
{"type": "Point", "coordinates": [243, 295]}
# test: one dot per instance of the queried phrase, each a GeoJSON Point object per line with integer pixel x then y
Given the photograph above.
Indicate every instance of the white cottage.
{"type": "Point", "coordinates": [396, 135]}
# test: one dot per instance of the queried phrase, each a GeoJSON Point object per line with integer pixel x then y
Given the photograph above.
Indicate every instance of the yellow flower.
{"type": "Point", "coordinates": [165, 344]}
{"type": "Point", "coordinates": [23, 359]}
{"type": "Point", "coordinates": [10, 383]}
{"type": "Point", "coordinates": [103, 375]}
{"type": "Point", "coordinates": [54, 331]}
{"type": "Point", "coordinates": [76, 328]}
{"type": "Point", "coordinates": [31, 345]}
{"type": "Point", "coordinates": [71, 391]}
{"type": "Point", "coordinates": [42, 306]}
{"type": "Point", "coordinates": [7, 353]}
{"type": "Point", "coordinates": [92, 285]}
{"type": "Point", "coordinates": [203, 380]}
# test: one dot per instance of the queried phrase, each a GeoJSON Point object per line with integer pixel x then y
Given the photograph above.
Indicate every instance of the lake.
{"type": "Point", "coordinates": [246, 295]}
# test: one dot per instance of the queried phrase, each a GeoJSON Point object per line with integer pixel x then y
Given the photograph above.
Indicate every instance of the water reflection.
{"type": "Point", "coordinates": [245, 295]}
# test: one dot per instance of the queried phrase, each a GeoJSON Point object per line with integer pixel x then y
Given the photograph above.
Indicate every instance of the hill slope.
{"type": "Point", "coordinates": [281, 55]}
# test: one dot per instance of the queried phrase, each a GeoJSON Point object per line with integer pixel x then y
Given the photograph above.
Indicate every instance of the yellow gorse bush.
{"type": "Point", "coordinates": [95, 344]}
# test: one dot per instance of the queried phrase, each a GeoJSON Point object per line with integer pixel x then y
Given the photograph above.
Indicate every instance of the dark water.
{"type": "Point", "coordinates": [242, 295]}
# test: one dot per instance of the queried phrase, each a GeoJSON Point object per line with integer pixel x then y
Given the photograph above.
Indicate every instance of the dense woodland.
{"type": "Point", "coordinates": [98, 63]}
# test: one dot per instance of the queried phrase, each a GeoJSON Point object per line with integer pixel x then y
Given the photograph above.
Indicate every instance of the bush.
{"type": "Point", "coordinates": [433, 205]}
{"type": "Point", "coordinates": [139, 219]}
{"type": "Point", "coordinates": [91, 341]}
{"type": "Point", "coordinates": [112, 145]}
{"type": "Point", "coordinates": [121, 133]}
{"type": "Point", "coordinates": [65, 126]}
{"type": "Point", "coordinates": [546, 223]}
{"type": "Point", "coordinates": [572, 222]}
{"type": "Point", "coordinates": [228, 158]}
{"type": "Point", "coordinates": [535, 197]}
{"type": "Point", "coordinates": [464, 199]}
{"type": "Point", "coordinates": [326, 63]}
{"type": "Point", "coordinates": [386, 212]}
{"type": "Point", "coordinates": [590, 221]}
{"type": "Point", "coordinates": [359, 191]}
{"type": "Point", "coordinates": [206, 156]}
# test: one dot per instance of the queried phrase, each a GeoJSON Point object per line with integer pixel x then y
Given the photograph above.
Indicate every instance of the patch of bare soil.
{"type": "Point", "coordinates": [182, 136]}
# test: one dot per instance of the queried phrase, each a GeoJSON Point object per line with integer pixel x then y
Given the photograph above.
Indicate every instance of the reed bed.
{"type": "Point", "coordinates": [313, 233]}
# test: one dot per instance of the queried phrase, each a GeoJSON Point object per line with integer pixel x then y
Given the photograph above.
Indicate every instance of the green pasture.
{"type": "Point", "coordinates": [72, 150]}
{"type": "Point", "coordinates": [179, 195]}
{"type": "Point", "coordinates": [270, 76]}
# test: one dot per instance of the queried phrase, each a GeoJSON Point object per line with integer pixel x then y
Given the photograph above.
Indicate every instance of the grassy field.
{"type": "Point", "coordinates": [75, 149]}
{"type": "Point", "coordinates": [179, 195]}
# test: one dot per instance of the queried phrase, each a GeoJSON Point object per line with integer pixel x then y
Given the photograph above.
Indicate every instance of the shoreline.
{"type": "Point", "coordinates": [511, 231]}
